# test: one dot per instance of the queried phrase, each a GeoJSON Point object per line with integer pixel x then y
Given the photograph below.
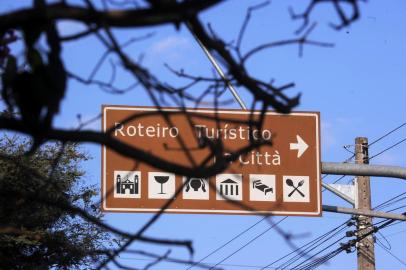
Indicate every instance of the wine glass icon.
{"type": "Point", "coordinates": [161, 180]}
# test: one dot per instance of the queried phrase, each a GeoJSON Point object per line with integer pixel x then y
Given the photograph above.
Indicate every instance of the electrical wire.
{"type": "Point", "coordinates": [228, 242]}
{"type": "Point", "coordinates": [395, 233]}
{"type": "Point", "coordinates": [223, 264]}
{"type": "Point", "coordinates": [249, 242]}
{"type": "Point", "coordinates": [386, 149]}
{"type": "Point", "coordinates": [311, 258]}
{"type": "Point", "coordinates": [397, 208]}
{"type": "Point", "coordinates": [390, 201]}
{"type": "Point", "coordinates": [311, 263]}
{"type": "Point", "coordinates": [335, 181]}
{"type": "Point", "coordinates": [325, 258]}
{"type": "Point", "coordinates": [308, 247]}
{"type": "Point", "coordinates": [397, 222]}
{"type": "Point", "coordinates": [390, 253]}
{"type": "Point", "coordinates": [320, 260]}
{"type": "Point", "coordinates": [339, 178]}
{"type": "Point", "coordinates": [258, 236]}
{"type": "Point", "coordinates": [315, 240]}
{"type": "Point", "coordinates": [324, 176]}
{"type": "Point", "coordinates": [387, 134]}
{"type": "Point", "coordinates": [315, 263]}
{"type": "Point", "coordinates": [299, 256]}
{"type": "Point", "coordinates": [388, 246]}
{"type": "Point", "coordinates": [351, 243]}
{"type": "Point", "coordinates": [246, 230]}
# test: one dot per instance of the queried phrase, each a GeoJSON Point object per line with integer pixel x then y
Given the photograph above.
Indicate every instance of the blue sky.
{"type": "Point", "coordinates": [357, 86]}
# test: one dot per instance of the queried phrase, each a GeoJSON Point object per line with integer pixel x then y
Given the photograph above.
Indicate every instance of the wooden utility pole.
{"type": "Point", "coordinates": [365, 247]}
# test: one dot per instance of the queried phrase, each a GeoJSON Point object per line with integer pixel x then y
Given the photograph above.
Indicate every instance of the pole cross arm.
{"type": "Point", "coordinates": [369, 213]}
{"type": "Point", "coordinates": [363, 170]}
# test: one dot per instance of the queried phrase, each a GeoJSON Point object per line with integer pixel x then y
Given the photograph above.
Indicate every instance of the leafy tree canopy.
{"type": "Point", "coordinates": [37, 229]}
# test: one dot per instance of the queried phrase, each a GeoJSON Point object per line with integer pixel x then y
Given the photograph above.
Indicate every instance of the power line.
{"type": "Point", "coordinates": [330, 255]}
{"type": "Point", "coordinates": [395, 233]}
{"type": "Point", "coordinates": [390, 253]}
{"type": "Point", "coordinates": [207, 264]}
{"type": "Point", "coordinates": [378, 240]}
{"type": "Point", "coordinates": [390, 201]}
{"type": "Point", "coordinates": [308, 247]}
{"type": "Point", "coordinates": [385, 204]}
{"type": "Point", "coordinates": [335, 181]}
{"type": "Point", "coordinates": [396, 223]}
{"type": "Point", "coordinates": [222, 246]}
{"type": "Point", "coordinates": [311, 258]}
{"type": "Point", "coordinates": [386, 149]}
{"type": "Point", "coordinates": [397, 208]}
{"type": "Point", "coordinates": [249, 242]}
{"type": "Point", "coordinates": [228, 242]}
{"type": "Point", "coordinates": [338, 179]}
{"type": "Point", "coordinates": [315, 240]}
{"type": "Point", "coordinates": [351, 243]}
{"type": "Point", "coordinates": [321, 260]}
{"type": "Point", "coordinates": [255, 237]}
{"type": "Point", "coordinates": [387, 134]}
{"type": "Point", "coordinates": [375, 141]}
{"type": "Point", "coordinates": [299, 256]}
{"type": "Point", "coordinates": [314, 263]}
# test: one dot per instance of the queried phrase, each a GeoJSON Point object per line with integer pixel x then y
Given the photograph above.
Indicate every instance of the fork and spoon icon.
{"type": "Point", "coordinates": [290, 183]}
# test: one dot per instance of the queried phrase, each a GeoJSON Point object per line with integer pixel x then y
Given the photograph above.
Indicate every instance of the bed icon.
{"type": "Point", "coordinates": [262, 187]}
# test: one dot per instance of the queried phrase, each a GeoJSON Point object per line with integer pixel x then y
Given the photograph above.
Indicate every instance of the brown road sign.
{"type": "Point", "coordinates": [282, 178]}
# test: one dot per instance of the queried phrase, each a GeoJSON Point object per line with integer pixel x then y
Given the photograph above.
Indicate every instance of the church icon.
{"type": "Point", "coordinates": [127, 184]}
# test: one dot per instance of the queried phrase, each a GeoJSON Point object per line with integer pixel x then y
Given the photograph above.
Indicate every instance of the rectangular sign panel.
{"type": "Point", "coordinates": [279, 178]}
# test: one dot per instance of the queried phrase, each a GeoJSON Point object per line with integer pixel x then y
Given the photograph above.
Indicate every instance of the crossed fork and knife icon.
{"type": "Point", "coordinates": [290, 183]}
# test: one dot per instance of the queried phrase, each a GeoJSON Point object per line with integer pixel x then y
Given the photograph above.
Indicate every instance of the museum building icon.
{"type": "Point", "coordinates": [229, 187]}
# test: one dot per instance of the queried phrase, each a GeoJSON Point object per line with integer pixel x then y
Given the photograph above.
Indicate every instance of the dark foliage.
{"type": "Point", "coordinates": [35, 233]}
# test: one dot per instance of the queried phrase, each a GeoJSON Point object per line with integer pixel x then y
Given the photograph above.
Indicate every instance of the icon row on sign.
{"type": "Point", "coordinates": [262, 187]}
{"type": "Point", "coordinates": [128, 185]}
{"type": "Point", "coordinates": [161, 185]}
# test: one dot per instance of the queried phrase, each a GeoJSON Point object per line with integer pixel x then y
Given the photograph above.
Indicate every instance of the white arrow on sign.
{"type": "Point", "coordinates": [300, 146]}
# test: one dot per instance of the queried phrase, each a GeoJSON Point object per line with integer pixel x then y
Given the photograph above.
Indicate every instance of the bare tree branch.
{"type": "Point", "coordinates": [345, 20]}
{"type": "Point", "coordinates": [100, 22]}
{"type": "Point", "coordinates": [238, 71]}
{"type": "Point", "coordinates": [131, 151]}
{"type": "Point", "coordinates": [172, 13]}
